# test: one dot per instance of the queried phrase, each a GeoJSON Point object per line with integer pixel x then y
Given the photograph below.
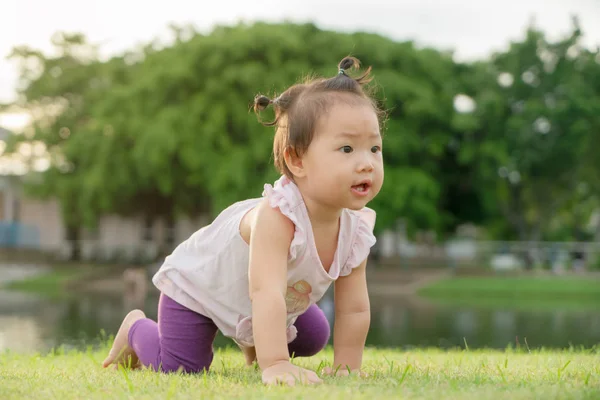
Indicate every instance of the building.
{"type": "Point", "coordinates": [8, 200]}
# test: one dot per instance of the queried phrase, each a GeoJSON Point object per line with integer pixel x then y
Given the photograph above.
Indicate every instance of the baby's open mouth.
{"type": "Point", "coordinates": [363, 187]}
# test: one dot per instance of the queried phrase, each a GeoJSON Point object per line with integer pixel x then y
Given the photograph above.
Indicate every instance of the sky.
{"type": "Point", "coordinates": [471, 28]}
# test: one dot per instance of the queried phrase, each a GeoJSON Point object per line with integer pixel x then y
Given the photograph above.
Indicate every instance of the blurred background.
{"type": "Point", "coordinates": [125, 127]}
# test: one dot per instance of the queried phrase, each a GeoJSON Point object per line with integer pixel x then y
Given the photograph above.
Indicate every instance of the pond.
{"type": "Point", "coordinates": [30, 323]}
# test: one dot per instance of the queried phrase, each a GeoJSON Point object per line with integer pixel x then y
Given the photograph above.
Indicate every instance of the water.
{"type": "Point", "coordinates": [29, 323]}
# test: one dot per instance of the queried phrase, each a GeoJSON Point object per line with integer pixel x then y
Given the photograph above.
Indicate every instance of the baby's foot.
{"type": "Point", "coordinates": [121, 353]}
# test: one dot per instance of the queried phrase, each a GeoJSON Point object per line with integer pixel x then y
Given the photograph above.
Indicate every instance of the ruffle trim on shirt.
{"type": "Point", "coordinates": [245, 337]}
{"type": "Point", "coordinates": [285, 196]}
{"type": "Point", "coordinates": [363, 240]}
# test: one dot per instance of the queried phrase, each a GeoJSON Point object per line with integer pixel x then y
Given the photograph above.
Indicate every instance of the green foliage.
{"type": "Point", "coordinates": [162, 131]}
{"type": "Point", "coordinates": [538, 112]}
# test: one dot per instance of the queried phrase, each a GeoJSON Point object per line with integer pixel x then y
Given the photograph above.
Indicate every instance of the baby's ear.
{"type": "Point", "coordinates": [294, 163]}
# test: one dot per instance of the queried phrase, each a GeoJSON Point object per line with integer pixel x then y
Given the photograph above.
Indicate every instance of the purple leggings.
{"type": "Point", "coordinates": [183, 338]}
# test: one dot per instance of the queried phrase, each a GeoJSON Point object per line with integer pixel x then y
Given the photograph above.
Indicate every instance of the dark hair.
{"type": "Point", "coordinates": [298, 109]}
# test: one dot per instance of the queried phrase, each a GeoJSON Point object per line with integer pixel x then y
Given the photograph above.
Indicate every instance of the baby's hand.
{"type": "Point", "coordinates": [289, 374]}
{"type": "Point", "coordinates": [343, 372]}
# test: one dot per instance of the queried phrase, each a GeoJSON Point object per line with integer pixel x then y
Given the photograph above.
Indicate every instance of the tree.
{"type": "Point", "coordinates": [59, 92]}
{"type": "Point", "coordinates": [537, 116]}
{"type": "Point", "coordinates": [161, 131]}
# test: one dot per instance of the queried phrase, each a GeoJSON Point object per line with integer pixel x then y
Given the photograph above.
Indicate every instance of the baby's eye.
{"type": "Point", "coordinates": [346, 149]}
{"type": "Point", "coordinates": [376, 149]}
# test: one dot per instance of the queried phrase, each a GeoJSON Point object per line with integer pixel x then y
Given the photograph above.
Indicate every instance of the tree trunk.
{"type": "Point", "coordinates": [73, 237]}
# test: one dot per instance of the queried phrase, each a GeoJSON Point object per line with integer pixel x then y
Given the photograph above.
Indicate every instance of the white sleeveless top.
{"type": "Point", "coordinates": [208, 272]}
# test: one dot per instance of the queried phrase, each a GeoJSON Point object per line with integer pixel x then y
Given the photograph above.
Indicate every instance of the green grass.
{"type": "Point", "coordinates": [49, 284]}
{"type": "Point", "coordinates": [516, 303]}
{"type": "Point", "coordinates": [424, 374]}
{"type": "Point", "coordinates": [519, 292]}
{"type": "Point", "coordinates": [53, 284]}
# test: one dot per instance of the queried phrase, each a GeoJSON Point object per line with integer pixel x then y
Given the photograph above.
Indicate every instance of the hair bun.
{"type": "Point", "coordinates": [353, 62]}
{"type": "Point", "coordinates": [261, 102]}
{"type": "Point", "coordinates": [348, 62]}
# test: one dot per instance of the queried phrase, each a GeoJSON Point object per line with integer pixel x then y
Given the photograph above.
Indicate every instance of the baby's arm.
{"type": "Point", "coordinates": [352, 319]}
{"type": "Point", "coordinates": [270, 238]}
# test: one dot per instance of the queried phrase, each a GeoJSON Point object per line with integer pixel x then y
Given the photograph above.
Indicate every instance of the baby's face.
{"type": "Point", "coordinates": [344, 162]}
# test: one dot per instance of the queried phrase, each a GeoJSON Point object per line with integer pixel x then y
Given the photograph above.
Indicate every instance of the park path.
{"type": "Point", "coordinates": [18, 271]}
{"type": "Point", "coordinates": [403, 283]}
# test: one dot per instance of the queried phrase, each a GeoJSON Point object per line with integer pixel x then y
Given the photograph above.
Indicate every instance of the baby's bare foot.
{"type": "Point", "coordinates": [121, 353]}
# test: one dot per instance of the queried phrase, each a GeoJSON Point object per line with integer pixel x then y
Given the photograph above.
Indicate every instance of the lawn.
{"type": "Point", "coordinates": [419, 374]}
{"type": "Point", "coordinates": [526, 292]}
{"type": "Point", "coordinates": [53, 284]}
{"type": "Point", "coordinates": [49, 284]}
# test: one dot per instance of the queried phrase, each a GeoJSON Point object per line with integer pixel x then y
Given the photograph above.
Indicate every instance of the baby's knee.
{"type": "Point", "coordinates": [321, 336]}
{"type": "Point", "coordinates": [320, 340]}
{"type": "Point", "coordinates": [185, 366]}
{"type": "Point", "coordinates": [182, 368]}
{"type": "Point", "coordinates": [313, 341]}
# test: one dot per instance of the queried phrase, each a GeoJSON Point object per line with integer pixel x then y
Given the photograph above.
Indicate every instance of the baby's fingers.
{"type": "Point", "coordinates": [335, 372]}
{"type": "Point", "coordinates": [328, 371]}
{"type": "Point", "coordinates": [312, 377]}
{"type": "Point", "coordinates": [285, 379]}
